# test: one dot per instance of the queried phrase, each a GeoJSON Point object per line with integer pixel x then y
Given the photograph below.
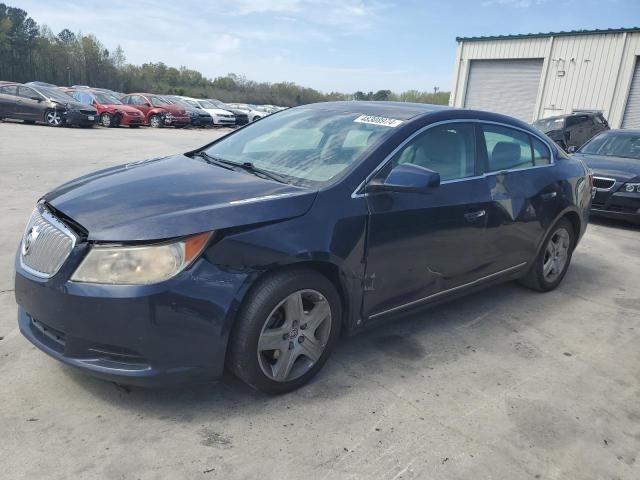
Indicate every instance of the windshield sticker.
{"type": "Point", "coordinates": [383, 121]}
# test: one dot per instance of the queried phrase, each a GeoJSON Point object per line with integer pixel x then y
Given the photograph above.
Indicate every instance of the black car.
{"type": "Point", "coordinates": [258, 250]}
{"type": "Point", "coordinates": [32, 103]}
{"type": "Point", "coordinates": [573, 130]}
{"type": "Point", "coordinates": [199, 118]}
{"type": "Point", "coordinates": [614, 158]}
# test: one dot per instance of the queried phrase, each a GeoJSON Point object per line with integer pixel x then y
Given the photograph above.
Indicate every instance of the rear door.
{"type": "Point", "coordinates": [423, 244]}
{"type": "Point", "coordinates": [525, 193]}
{"type": "Point", "coordinates": [8, 99]}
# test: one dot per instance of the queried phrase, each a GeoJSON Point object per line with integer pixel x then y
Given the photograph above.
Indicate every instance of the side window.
{"type": "Point", "coordinates": [136, 100]}
{"type": "Point", "coordinates": [541, 153]}
{"type": "Point", "coordinates": [126, 100]}
{"type": "Point", "coordinates": [447, 149]}
{"type": "Point", "coordinates": [83, 97]}
{"type": "Point", "coordinates": [578, 121]}
{"type": "Point", "coordinates": [599, 119]}
{"type": "Point", "coordinates": [507, 148]}
{"type": "Point", "coordinates": [26, 92]}
{"type": "Point", "coordinates": [9, 90]}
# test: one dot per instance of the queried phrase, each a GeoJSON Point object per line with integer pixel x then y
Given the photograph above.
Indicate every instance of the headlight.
{"type": "Point", "coordinates": [632, 187]}
{"type": "Point", "coordinates": [139, 265]}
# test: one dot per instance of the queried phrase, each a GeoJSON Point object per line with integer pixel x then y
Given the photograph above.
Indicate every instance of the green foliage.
{"type": "Point", "coordinates": [29, 52]}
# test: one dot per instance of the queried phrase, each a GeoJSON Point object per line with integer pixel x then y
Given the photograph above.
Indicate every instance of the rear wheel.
{"type": "Point", "coordinates": [106, 120]}
{"type": "Point", "coordinates": [53, 118]}
{"type": "Point", "coordinates": [551, 264]}
{"type": "Point", "coordinates": [285, 331]}
{"type": "Point", "coordinates": [156, 121]}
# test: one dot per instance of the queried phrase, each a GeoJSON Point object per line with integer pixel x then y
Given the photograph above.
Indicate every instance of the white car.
{"type": "Point", "coordinates": [220, 117]}
{"type": "Point", "coordinates": [252, 111]}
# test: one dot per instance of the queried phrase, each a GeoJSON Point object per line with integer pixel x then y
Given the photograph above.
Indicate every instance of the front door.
{"type": "Point", "coordinates": [422, 244]}
{"type": "Point", "coordinates": [29, 105]}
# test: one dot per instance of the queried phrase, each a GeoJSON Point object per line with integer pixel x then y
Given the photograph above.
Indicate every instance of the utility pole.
{"type": "Point", "coordinates": [69, 75]}
{"type": "Point", "coordinates": [436, 90]}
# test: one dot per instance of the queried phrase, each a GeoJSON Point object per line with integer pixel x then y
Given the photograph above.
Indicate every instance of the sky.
{"type": "Point", "coordinates": [330, 45]}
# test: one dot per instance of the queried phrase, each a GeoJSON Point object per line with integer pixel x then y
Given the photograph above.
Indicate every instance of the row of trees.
{"type": "Point", "coordinates": [30, 52]}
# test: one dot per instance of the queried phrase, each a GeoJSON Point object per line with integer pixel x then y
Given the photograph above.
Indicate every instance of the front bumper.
{"type": "Point", "coordinates": [218, 120]}
{"type": "Point", "coordinates": [132, 120]}
{"type": "Point", "coordinates": [619, 205]}
{"type": "Point", "coordinates": [177, 120]}
{"type": "Point", "coordinates": [152, 335]}
{"type": "Point", "coordinates": [202, 121]}
{"type": "Point", "coordinates": [81, 119]}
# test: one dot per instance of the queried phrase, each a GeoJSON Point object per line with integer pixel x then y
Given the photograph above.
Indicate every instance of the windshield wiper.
{"type": "Point", "coordinates": [213, 160]}
{"type": "Point", "coordinates": [251, 168]}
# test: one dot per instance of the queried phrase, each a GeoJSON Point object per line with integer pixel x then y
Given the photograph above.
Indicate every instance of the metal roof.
{"type": "Point", "coordinates": [549, 34]}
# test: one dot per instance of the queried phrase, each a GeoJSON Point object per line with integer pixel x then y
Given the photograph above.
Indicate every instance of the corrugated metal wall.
{"type": "Point", "coordinates": [581, 71]}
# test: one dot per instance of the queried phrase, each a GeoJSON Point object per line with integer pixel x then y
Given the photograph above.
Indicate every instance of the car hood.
{"type": "Point", "coordinates": [171, 197]}
{"type": "Point", "coordinates": [620, 168]}
{"type": "Point", "coordinates": [71, 104]}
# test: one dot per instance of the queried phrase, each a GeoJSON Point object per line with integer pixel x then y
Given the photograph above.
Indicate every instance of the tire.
{"type": "Point", "coordinates": [552, 262]}
{"type": "Point", "coordinates": [155, 121]}
{"type": "Point", "coordinates": [53, 118]}
{"type": "Point", "coordinates": [278, 312]}
{"type": "Point", "coordinates": [106, 120]}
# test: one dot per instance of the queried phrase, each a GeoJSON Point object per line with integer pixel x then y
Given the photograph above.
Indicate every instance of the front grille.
{"type": "Point", "coordinates": [602, 183]}
{"type": "Point", "coordinates": [46, 243]}
{"type": "Point", "coordinates": [88, 112]}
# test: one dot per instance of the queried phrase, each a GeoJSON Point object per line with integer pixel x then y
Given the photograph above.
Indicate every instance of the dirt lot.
{"type": "Point", "coordinates": [505, 384]}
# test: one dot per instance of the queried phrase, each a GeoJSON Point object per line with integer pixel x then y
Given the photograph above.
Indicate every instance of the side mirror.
{"type": "Point", "coordinates": [407, 177]}
{"type": "Point", "coordinates": [572, 149]}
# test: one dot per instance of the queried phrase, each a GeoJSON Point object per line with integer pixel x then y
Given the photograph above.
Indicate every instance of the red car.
{"type": "Point", "coordinates": [157, 111]}
{"type": "Point", "coordinates": [112, 112]}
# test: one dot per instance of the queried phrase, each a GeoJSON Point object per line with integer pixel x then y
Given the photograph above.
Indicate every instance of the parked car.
{"type": "Point", "coordinates": [220, 117]}
{"type": "Point", "coordinates": [573, 130]}
{"type": "Point", "coordinates": [241, 115]}
{"type": "Point", "coordinates": [112, 112]}
{"type": "Point", "coordinates": [614, 158]}
{"type": "Point", "coordinates": [252, 112]}
{"type": "Point", "coordinates": [250, 252]}
{"type": "Point", "coordinates": [198, 117]}
{"type": "Point", "coordinates": [44, 104]}
{"type": "Point", "coordinates": [157, 111]}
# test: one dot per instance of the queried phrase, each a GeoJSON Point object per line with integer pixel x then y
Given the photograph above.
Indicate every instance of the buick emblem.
{"type": "Point", "coordinates": [29, 238]}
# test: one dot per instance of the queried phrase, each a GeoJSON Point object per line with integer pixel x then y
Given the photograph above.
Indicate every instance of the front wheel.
{"type": "Point", "coordinates": [285, 331]}
{"type": "Point", "coordinates": [156, 121]}
{"type": "Point", "coordinates": [552, 263]}
{"type": "Point", "coordinates": [106, 120]}
{"type": "Point", "coordinates": [53, 118]}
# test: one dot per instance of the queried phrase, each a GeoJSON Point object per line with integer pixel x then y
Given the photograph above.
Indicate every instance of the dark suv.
{"type": "Point", "coordinates": [573, 130]}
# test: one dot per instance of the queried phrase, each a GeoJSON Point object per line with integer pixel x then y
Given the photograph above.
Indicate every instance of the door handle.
{"type": "Point", "coordinates": [549, 196]}
{"type": "Point", "coordinates": [472, 216]}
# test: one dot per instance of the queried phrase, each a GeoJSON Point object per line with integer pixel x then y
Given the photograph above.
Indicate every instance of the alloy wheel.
{"type": "Point", "coordinates": [155, 121]}
{"type": "Point", "coordinates": [105, 119]}
{"type": "Point", "coordinates": [556, 255]}
{"type": "Point", "coordinates": [54, 118]}
{"type": "Point", "coordinates": [294, 336]}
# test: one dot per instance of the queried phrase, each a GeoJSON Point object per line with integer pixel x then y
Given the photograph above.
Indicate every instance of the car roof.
{"type": "Point", "coordinates": [567, 115]}
{"type": "Point", "coordinates": [399, 110]}
{"type": "Point", "coordinates": [621, 131]}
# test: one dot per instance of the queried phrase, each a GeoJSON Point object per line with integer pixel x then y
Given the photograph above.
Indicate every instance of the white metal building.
{"type": "Point", "coordinates": [541, 75]}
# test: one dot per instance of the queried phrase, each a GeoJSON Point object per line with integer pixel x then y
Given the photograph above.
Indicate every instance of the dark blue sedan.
{"type": "Point", "coordinates": [256, 252]}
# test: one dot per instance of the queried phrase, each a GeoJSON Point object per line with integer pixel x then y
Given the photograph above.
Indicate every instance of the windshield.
{"type": "Point", "coordinates": [305, 146]}
{"type": "Point", "coordinates": [106, 99]}
{"type": "Point", "coordinates": [614, 144]}
{"type": "Point", "coordinates": [56, 94]}
{"type": "Point", "coordinates": [207, 104]}
{"type": "Point", "coordinates": [158, 101]}
{"type": "Point", "coordinates": [548, 124]}
{"type": "Point", "coordinates": [217, 103]}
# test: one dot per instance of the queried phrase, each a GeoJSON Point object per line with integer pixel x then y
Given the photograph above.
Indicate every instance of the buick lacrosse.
{"type": "Point", "coordinates": [257, 251]}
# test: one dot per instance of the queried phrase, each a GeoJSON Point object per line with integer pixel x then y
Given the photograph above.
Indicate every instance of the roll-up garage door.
{"type": "Point", "coordinates": [504, 86]}
{"type": "Point", "coordinates": [631, 117]}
